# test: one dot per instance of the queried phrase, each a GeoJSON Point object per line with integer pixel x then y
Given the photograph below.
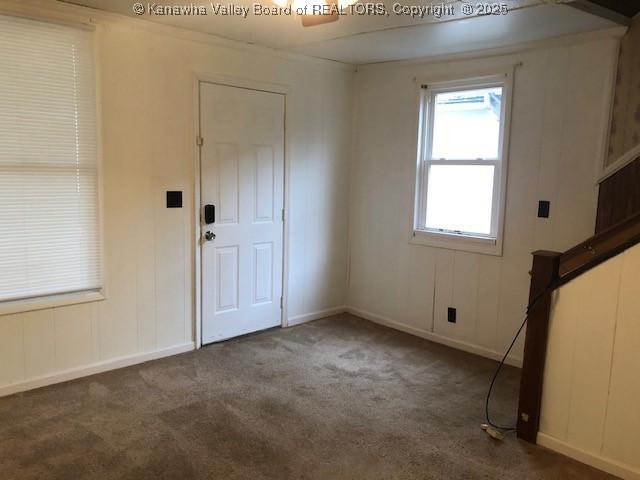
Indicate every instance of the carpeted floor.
{"type": "Point", "coordinates": [339, 398]}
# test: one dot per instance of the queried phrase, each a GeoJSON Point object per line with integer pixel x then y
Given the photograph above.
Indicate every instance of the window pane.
{"type": "Point", "coordinates": [467, 124]}
{"type": "Point", "coordinates": [459, 198]}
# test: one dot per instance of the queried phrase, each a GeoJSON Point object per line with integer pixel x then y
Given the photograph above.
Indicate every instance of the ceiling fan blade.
{"type": "Point", "coordinates": [321, 18]}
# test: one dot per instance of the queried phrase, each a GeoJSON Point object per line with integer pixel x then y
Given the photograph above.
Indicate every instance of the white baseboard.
{"type": "Point", "coordinates": [434, 337]}
{"type": "Point", "coordinates": [307, 317]}
{"type": "Point", "coordinates": [125, 361]}
{"type": "Point", "coordinates": [93, 368]}
{"type": "Point", "coordinates": [601, 463]}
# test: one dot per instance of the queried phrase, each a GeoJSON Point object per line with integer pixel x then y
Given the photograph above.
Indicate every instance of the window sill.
{"type": "Point", "coordinates": [464, 243]}
{"type": "Point", "coordinates": [52, 301]}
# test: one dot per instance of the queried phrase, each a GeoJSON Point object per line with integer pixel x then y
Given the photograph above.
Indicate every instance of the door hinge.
{"type": "Point", "coordinates": [199, 140]}
{"type": "Point", "coordinates": [283, 214]}
{"type": "Point", "coordinates": [281, 303]}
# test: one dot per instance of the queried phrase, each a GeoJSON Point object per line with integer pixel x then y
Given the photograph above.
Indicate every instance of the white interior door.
{"type": "Point", "coordinates": [242, 176]}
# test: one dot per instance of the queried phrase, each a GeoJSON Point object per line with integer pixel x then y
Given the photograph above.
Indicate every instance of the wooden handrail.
{"type": "Point", "coordinates": [550, 271]}
{"type": "Point", "coordinates": [600, 248]}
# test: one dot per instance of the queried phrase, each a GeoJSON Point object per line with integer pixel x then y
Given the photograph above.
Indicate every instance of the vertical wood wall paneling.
{"type": "Point", "coordinates": [622, 423]}
{"type": "Point", "coordinates": [552, 146]}
{"type": "Point", "coordinates": [12, 364]}
{"type": "Point", "coordinates": [619, 196]}
{"type": "Point", "coordinates": [415, 287]}
{"type": "Point", "coordinates": [559, 363]}
{"type": "Point", "coordinates": [466, 272]}
{"type": "Point", "coordinates": [445, 264]}
{"type": "Point", "coordinates": [528, 119]}
{"type": "Point", "coordinates": [593, 346]}
{"type": "Point", "coordinates": [39, 350]}
{"type": "Point", "coordinates": [584, 123]}
{"type": "Point", "coordinates": [488, 301]}
{"type": "Point", "coordinates": [591, 396]}
{"type": "Point", "coordinates": [72, 327]}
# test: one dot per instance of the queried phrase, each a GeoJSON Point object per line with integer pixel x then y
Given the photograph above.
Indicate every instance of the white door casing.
{"type": "Point", "coordinates": [242, 175]}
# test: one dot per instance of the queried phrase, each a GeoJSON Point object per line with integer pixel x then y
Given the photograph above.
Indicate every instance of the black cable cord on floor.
{"type": "Point", "coordinates": [495, 376]}
{"type": "Point", "coordinates": [504, 358]}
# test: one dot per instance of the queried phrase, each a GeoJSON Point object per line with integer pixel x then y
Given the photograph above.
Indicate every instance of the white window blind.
{"type": "Point", "coordinates": [49, 229]}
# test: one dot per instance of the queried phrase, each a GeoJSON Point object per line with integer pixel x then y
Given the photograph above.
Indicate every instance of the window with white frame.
{"type": "Point", "coordinates": [461, 162]}
{"type": "Point", "coordinates": [49, 225]}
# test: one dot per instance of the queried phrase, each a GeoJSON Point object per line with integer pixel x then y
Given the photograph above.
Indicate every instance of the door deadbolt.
{"type": "Point", "coordinates": [209, 235]}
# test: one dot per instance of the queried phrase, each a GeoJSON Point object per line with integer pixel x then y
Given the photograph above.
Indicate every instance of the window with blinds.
{"type": "Point", "coordinates": [49, 227]}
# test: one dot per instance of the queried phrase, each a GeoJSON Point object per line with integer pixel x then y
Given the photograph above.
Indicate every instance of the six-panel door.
{"type": "Point", "coordinates": [242, 174]}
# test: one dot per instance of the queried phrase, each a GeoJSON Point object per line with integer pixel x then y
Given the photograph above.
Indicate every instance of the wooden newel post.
{"type": "Point", "coordinates": [543, 273]}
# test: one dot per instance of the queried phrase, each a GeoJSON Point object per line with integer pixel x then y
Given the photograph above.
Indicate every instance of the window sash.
{"type": "Point", "coordinates": [495, 206]}
{"type": "Point", "coordinates": [429, 109]}
{"type": "Point", "coordinates": [425, 145]}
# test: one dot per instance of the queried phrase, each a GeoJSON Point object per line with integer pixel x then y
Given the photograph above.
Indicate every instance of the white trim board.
{"type": "Point", "coordinates": [620, 163]}
{"type": "Point", "coordinates": [308, 317]}
{"type": "Point", "coordinates": [137, 358]}
{"type": "Point", "coordinates": [434, 337]}
{"type": "Point", "coordinates": [94, 368]}
{"type": "Point", "coordinates": [601, 463]}
{"type": "Point", "coordinates": [51, 301]}
{"type": "Point", "coordinates": [387, 322]}
{"type": "Point", "coordinates": [518, 48]}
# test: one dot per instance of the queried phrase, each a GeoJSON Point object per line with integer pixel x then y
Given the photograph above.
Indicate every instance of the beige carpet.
{"type": "Point", "coordinates": [339, 398]}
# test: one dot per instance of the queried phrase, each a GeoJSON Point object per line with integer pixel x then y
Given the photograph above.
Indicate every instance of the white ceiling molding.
{"type": "Point", "coordinates": [374, 42]}
{"type": "Point", "coordinates": [54, 10]}
{"type": "Point", "coordinates": [564, 40]}
{"type": "Point", "coordinates": [358, 39]}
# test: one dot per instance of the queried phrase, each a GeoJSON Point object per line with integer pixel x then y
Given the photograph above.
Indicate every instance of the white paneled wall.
{"type": "Point", "coordinates": [147, 80]}
{"type": "Point", "coordinates": [559, 123]}
{"type": "Point", "coordinates": [591, 394]}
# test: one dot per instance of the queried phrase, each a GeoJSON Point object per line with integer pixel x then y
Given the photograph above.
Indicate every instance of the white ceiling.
{"type": "Point", "coordinates": [362, 39]}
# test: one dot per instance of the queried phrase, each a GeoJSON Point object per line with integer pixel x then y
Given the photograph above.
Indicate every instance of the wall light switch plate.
{"type": "Point", "coordinates": [544, 206]}
{"type": "Point", "coordinates": [174, 199]}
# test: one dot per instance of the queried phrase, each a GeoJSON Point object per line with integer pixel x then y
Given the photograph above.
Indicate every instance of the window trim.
{"type": "Point", "coordinates": [90, 295]}
{"type": "Point", "coordinates": [487, 244]}
{"type": "Point", "coordinates": [51, 301]}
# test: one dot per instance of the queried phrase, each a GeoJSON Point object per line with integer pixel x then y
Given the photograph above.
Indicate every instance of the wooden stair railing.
{"type": "Point", "coordinates": [550, 271]}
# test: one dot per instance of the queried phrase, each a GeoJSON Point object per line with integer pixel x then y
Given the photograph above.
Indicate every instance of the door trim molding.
{"type": "Point", "coordinates": [248, 84]}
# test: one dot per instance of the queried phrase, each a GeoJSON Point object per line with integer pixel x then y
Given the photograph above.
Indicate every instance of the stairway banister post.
{"type": "Point", "coordinates": [544, 272]}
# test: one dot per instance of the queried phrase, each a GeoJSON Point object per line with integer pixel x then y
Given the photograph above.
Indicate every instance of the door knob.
{"type": "Point", "coordinates": [209, 235]}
